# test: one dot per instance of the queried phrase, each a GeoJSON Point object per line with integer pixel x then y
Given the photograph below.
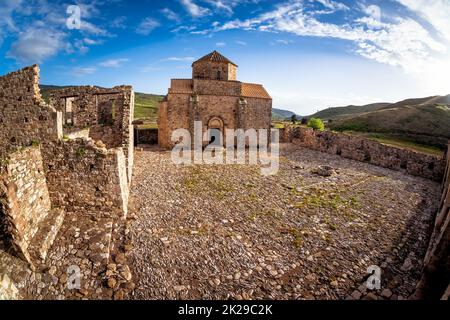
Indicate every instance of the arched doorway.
{"type": "Point", "coordinates": [215, 129]}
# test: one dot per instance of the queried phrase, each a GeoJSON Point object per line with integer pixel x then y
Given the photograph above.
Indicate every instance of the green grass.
{"type": "Point", "coordinates": [406, 144]}
{"type": "Point", "coordinates": [400, 142]}
{"type": "Point", "coordinates": [146, 106]}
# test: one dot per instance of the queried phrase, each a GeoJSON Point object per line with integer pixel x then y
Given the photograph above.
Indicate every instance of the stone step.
{"type": "Point", "coordinates": [42, 241]}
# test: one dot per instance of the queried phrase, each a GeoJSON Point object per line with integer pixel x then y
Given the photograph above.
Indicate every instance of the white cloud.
{"type": "Point", "coordinates": [119, 22]}
{"type": "Point", "coordinates": [147, 26]}
{"type": "Point", "coordinates": [403, 42]}
{"type": "Point", "coordinates": [242, 43]}
{"type": "Point", "coordinates": [113, 63]}
{"type": "Point", "coordinates": [82, 71]}
{"type": "Point", "coordinates": [194, 9]}
{"type": "Point", "coordinates": [179, 59]}
{"type": "Point", "coordinates": [221, 44]}
{"type": "Point", "coordinates": [435, 12]}
{"type": "Point", "coordinates": [34, 45]}
{"type": "Point", "coordinates": [170, 14]}
{"type": "Point", "coordinates": [332, 5]}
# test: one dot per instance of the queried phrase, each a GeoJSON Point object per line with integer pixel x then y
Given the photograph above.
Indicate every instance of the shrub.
{"type": "Point", "coordinates": [316, 124]}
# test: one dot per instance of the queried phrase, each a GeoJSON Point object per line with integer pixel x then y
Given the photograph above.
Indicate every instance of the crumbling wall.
{"type": "Point", "coordinates": [373, 152]}
{"type": "Point", "coordinates": [25, 202]}
{"type": "Point", "coordinates": [108, 113]}
{"type": "Point", "coordinates": [24, 117]}
{"type": "Point", "coordinates": [435, 283]}
{"type": "Point", "coordinates": [86, 178]}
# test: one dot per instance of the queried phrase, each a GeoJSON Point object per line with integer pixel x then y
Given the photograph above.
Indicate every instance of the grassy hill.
{"type": "Point", "coordinates": [280, 114]}
{"type": "Point", "coordinates": [424, 120]}
{"type": "Point", "coordinates": [342, 112]}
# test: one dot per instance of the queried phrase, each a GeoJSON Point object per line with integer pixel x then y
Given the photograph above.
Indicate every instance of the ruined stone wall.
{"type": "Point", "coordinates": [25, 198]}
{"type": "Point", "coordinates": [85, 178]}
{"type": "Point", "coordinates": [107, 112]}
{"type": "Point", "coordinates": [24, 117]}
{"type": "Point", "coordinates": [435, 283]}
{"type": "Point", "coordinates": [365, 150]}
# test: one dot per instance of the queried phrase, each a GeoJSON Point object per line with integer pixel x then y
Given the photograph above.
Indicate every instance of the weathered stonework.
{"type": "Point", "coordinates": [25, 206]}
{"type": "Point", "coordinates": [435, 283]}
{"type": "Point", "coordinates": [24, 117]}
{"type": "Point", "coordinates": [45, 172]}
{"type": "Point", "coordinates": [215, 98]}
{"type": "Point", "coordinates": [365, 150]}
{"type": "Point", "coordinates": [107, 115]}
{"type": "Point", "coordinates": [8, 290]}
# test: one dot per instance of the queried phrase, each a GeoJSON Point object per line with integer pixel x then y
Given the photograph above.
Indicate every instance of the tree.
{"type": "Point", "coordinates": [304, 121]}
{"type": "Point", "coordinates": [294, 119]}
{"type": "Point", "coordinates": [316, 124]}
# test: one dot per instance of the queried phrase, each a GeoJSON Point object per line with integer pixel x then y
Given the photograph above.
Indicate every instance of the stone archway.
{"type": "Point", "coordinates": [216, 131]}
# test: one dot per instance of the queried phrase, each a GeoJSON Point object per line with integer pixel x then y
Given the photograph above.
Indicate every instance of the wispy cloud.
{"type": "Point", "coordinates": [147, 26]}
{"type": "Point", "coordinates": [240, 42]}
{"type": "Point", "coordinates": [113, 63]}
{"type": "Point", "coordinates": [82, 71]}
{"type": "Point", "coordinates": [34, 45]}
{"type": "Point", "coordinates": [220, 44]}
{"type": "Point", "coordinates": [402, 42]}
{"type": "Point", "coordinates": [170, 14]}
{"type": "Point", "coordinates": [179, 59]}
{"type": "Point", "coordinates": [193, 9]}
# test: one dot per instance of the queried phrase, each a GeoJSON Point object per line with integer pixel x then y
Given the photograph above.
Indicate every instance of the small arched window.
{"type": "Point", "coordinates": [219, 74]}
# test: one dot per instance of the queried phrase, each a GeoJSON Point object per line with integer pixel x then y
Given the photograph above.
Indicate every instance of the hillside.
{"type": "Point", "coordinates": [280, 114]}
{"type": "Point", "coordinates": [425, 120]}
{"type": "Point", "coordinates": [341, 112]}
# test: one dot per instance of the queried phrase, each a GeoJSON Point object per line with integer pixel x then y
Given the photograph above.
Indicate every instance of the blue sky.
{"type": "Point", "coordinates": [309, 54]}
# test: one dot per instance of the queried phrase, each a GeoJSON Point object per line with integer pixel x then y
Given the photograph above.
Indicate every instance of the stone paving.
{"type": "Point", "coordinates": [227, 232]}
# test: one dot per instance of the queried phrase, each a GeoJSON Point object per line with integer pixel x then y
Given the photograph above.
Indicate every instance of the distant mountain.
{"type": "Point", "coordinates": [279, 114]}
{"type": "Point", "coordinates": [424, 120]}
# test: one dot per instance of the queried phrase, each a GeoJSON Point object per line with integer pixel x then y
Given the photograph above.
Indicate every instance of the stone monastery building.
{"type": "Point", "coordinates": [215, 97]}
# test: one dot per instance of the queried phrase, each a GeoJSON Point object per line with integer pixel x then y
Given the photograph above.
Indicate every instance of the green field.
{"type": "Point", "coordinates": [146, 106]}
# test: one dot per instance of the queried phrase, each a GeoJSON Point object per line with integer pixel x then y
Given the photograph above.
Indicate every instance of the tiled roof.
{"type": "Point", "coordinates": [215, 57]}
{"type": "Point", "coordinates": [251, 90]}
{"type": "Point", "coordinates": [181, 86]}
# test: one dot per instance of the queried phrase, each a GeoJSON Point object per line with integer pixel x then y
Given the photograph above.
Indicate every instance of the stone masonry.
{"type": "Point", "coordinates": [214, 97]}
{"type": "Point", "coordinates": [365, 150]}
{"type": "Point", "coordinates": [53, 169]}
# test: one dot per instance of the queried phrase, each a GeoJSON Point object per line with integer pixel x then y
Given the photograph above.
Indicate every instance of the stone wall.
{"type": "Point", "coordinates": [87, 178]}
{"type": "Point", "coordinates": [26, 206]}
{"type": "Point", "coordinates": [8, 290]}
{"type": "Point", "coordinates": [365, 150]}
{"type": "Point", "coordinates": [435, 283]}
{"type": "Point", "coordinates": [107, 112]}
{"type": "Point", "coordinates": [212, 70]}
{"type": "Point", "coordinates": [216, 87]}
{"type": "Point", "coordinates": [24, 117]}
{"type": "Point", "coordinates": [44, 173]}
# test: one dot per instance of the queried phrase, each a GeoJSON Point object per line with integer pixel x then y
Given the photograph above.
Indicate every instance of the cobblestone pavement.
{"type": "Point", "coordinates": [227, 232]}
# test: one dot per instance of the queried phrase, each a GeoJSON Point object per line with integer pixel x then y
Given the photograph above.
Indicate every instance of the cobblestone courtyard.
{"type": "Point", "coordinates": [227, 232]}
